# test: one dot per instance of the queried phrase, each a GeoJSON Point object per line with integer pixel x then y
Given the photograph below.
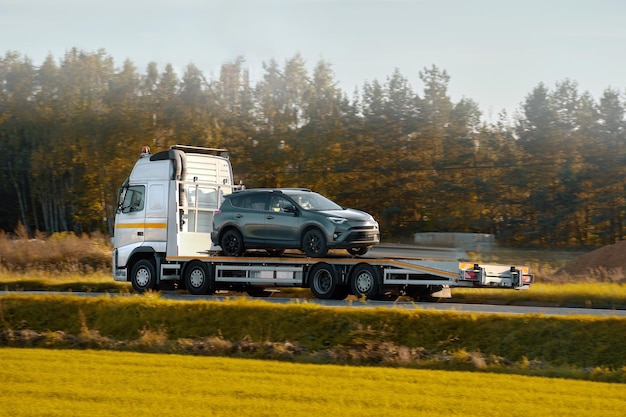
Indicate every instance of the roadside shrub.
{"type": "Point", "coordinates": [57, 253]}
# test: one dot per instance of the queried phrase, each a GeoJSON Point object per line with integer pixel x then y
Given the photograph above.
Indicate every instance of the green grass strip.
{"type": "Point", "coordinates": [38, 382]}
{"type": "Point", "coordinates": [583, 342]}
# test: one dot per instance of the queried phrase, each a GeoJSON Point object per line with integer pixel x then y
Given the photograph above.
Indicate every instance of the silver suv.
{"type": "Point", "coordinates": [290, 218]}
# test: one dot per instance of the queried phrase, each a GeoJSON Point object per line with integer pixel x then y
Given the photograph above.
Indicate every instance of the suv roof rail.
{"type": "Point", "coordinates": [272, 190]}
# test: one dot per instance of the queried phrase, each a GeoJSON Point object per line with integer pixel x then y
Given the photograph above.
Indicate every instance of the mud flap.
{"type": "Point", "coordinates": [442, 293]}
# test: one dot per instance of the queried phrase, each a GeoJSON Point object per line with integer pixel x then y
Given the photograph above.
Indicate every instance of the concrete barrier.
{"type": "Point", "coordinates": [473, 242]}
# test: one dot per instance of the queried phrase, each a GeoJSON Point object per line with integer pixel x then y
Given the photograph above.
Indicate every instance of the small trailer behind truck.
{"type": "Point", "coordinates": [163, 230]}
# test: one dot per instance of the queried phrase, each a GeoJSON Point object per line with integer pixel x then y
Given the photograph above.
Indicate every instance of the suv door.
{"type": "Point", "coordinates": [282, 223]}
{"type": "Point", "coordinates": [250, 216]}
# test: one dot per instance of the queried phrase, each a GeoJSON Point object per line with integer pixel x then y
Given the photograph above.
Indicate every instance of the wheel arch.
{"type": "Point", "coordinates": [187, 264]}
{"type": "Point", "coordinates": [140, 253]}
{"type": "Point", "coordinates": [208, 286]}
{"type": "Point", "coordinates": [227, 227]}
{"type": "Point", "coordinates": [309, 226]}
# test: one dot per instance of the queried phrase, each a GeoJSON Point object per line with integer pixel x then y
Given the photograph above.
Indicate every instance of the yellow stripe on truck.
{"type": "Point", "coordinates": [141, 226]}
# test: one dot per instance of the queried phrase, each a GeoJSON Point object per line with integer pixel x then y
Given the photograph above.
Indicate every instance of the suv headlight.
{"type": "Point", "coordinates": [338, 220]}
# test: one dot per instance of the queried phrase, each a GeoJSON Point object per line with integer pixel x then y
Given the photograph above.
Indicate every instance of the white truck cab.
{"type": "Point", "coordinates": [166, 205]}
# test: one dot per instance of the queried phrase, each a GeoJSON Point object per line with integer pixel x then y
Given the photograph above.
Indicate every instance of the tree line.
{"type": "Point", "coordinates": [551, 174]}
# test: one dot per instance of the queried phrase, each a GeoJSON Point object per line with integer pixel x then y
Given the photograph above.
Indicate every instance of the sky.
{"type": "Point", "coordinates": [495, 51]}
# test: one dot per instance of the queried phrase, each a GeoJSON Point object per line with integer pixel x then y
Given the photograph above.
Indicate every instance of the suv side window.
{"type": "Point", "coordinates": [237, 201]}
{"type": "Point", "coordinates": [252, 201]}
{"type": "Point", "coordinates": [256, 201]}
{"type": "Point", "coordinates": [279, 203]}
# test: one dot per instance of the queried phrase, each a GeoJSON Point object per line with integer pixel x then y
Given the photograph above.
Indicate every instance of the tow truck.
{"type": "Point", "coordinates": [162, 239]}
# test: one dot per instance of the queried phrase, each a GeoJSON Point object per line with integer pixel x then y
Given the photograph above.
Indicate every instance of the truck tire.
{"type": "Point", "coordinates": [314, 243]}
{"type": "Point", "coordinates": [365, 281]}
{"type": "Point", "coordinates": [143, 276]}
{"type": "Point", "coordinates": [198, 279]}
{"type": "Point", "coordinates": [323, 281]}
{"type": "Point", "coordinates": [232, 243]}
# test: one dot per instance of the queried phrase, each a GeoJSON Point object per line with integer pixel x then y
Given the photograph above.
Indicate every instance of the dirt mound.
{"type": "Point", "coordinates": [607, 260]}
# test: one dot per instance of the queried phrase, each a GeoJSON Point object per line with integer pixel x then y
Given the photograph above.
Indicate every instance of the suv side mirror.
{"type": "Point", "coordinates": [291, 209]}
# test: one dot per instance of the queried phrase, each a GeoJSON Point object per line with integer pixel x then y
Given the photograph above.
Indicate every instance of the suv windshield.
{"type": "Point", "coordinates": [313, 201]}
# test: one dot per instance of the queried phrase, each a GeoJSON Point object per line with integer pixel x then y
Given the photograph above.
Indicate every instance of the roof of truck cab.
{"type": "Point", "coordinates": [199, 149]}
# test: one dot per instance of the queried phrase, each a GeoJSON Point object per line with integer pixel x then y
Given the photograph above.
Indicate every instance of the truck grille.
{"type": "Point", "coordinates": [363, 234]}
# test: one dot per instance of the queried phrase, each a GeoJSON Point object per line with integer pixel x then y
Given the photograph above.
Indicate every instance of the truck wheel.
{"type": "Point", "coordinates": [365, 281]}
{"type": "Point", "coordinates": [143, 276]}
{"type": "Point", "coordinates": [358, 251]}
{"type": "Point", "coordinates": [232, 243]}
{"type": "Point", "coordinates": [314, 243]}
{"type": "Point", "coordinates": [323, 281]}
{"type": "Point", "coordinates": [198, 278]}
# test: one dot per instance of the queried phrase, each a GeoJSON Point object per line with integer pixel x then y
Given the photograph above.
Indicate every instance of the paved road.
{"type": "Point", "coordinates": [444, 306]}
{"type": "Point", "coordinates": [395, 251]}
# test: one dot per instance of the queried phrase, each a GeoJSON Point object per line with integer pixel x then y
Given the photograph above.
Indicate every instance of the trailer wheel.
{"type": "Point", "coordinates": [198, 278]}
{"type": "Point", "coordinates": [323, 281]}
{"type": "Point", "coordinates": [232, 243]}
{"type": "Point", "coordinates": [365, 281]}
{"type": "Point", "coordinates": [143, 276]}
{"type": "Point", "coordinates": [314, 243]}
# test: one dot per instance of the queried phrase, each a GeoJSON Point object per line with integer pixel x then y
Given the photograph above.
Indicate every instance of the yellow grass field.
{"type": "Point", "coordinates": [38, 382]}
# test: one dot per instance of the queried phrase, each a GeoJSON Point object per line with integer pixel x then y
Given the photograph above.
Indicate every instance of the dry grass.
{"type": "Point", "coordinates": [59, 253]}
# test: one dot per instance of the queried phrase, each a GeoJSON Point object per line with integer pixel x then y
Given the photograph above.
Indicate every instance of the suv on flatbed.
{"type": "Point", "coordinates": [290, 218]}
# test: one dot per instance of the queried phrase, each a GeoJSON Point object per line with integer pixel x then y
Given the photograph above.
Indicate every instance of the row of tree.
{"type": "Point", "coordinates": [553, 174]}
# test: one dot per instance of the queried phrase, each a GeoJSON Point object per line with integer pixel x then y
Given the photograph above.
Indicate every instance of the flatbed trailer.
{"type": "Point", "coordinates": [333, 277]}
{"type": "Point", "coordinates": [162, 238]}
